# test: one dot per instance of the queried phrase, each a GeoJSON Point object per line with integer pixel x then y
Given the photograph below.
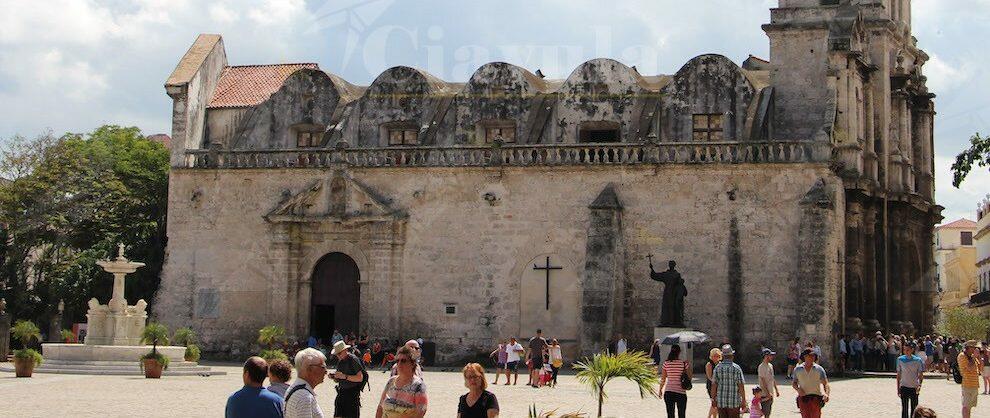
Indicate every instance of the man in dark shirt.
{"type": "Point", "coordinates": [537, 345]}
{"type": "Point", "coordinates": [349, 378]}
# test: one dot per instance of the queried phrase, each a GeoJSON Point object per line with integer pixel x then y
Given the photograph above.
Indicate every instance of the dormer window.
{"type": "Point", "coordinates": [401, 133]}
{"type": "Point", "coordinates": [599, 132]}
{"type": "Point", "coordinates": [308, 135]}
{"type": "Point", "coordinates": [708, 127]}
{"type": "Point", "coordinates": [497, 130]}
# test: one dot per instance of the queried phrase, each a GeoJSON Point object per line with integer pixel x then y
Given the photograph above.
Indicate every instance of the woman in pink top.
{"type": "Point", "coordinates": [670, 378]}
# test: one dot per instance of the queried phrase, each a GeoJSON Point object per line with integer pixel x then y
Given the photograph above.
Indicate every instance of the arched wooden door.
{"type": "Point", "coordinates": [336, 296]}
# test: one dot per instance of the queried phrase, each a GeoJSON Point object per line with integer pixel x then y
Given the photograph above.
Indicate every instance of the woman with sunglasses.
{"type": "Point", "coordinates": [405, 393]}
{"type": "Point", "coordinates": [478, 402]}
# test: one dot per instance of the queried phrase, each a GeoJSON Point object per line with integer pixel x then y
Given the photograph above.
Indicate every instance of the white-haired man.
{"type": "Point", "coordinates": [311, 370]}
{"type": "Point", "coordinates": [417, 358]}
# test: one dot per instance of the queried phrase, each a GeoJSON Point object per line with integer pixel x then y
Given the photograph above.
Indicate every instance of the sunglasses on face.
{"type": "Point", "coordinates": [404, 361]}
{"type": "Point", "coordinates": [473, 377]}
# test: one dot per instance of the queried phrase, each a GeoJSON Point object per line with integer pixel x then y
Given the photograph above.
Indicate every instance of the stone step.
{"type": "Point", "coordinates": [119, 369]}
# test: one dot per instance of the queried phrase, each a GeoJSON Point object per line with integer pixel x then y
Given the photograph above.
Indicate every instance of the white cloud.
{"type": "Point", "coordinates": [223, 14]}
{"type": "Point", "coordinates": [274, 12]}
{"type": "Point", "coordinates": [71, 22]}
{"type": "Point", "coordinates": [961, 202]}
{"type": "Point", "coordinates": [943, 76]}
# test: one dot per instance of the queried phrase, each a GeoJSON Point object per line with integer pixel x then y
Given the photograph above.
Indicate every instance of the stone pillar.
{"type": "Point", "coordinates": [4, 335]}
{"type": "Point", "coordinates": [55, 327]}
{"type": "Point", "coordinates": [602, 271]}
{"type": "Point", "coordinates": [818, 277]}
{"type": "Point", "coordinates": [870, 314]}
{"type": "Point", "coordinates": [854, 264]}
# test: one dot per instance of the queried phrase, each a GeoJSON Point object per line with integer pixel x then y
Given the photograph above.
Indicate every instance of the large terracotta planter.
{"type": "Point", "coordinates": [23, 367]}
{"type": "Point", "coordinates": [152, 368]}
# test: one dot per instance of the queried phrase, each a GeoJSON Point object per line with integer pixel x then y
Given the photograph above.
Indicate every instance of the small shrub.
{"type": "Point", "coordinates": [155, 334]}
{"type": "Point", "coordinates": [192, 353]}
{"type": "Point", "coordinates": [271, 355]}
{"type": "Point", "coordinates": [28, 354]}
{"type": "Point", "coordinates": [184, 337]}
{"type": "Point", "coordinates": [68, 336]}
{"type": "Point", "coordinates": [271, 335]}
{"type": "Point", "coordinates": [154, 355]}
{"type": "Point", "coordinates": [25, 331]}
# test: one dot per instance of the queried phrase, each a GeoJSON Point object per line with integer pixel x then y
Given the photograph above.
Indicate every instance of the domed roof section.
{"type": "Point", "coordinates": [407, 80]}
{"type": "Point", "coordinates": [505, 76]}
{"type": "Point", "coordinates": [616, 76]}
{"type": "Point", "coordinates": [712, 67]}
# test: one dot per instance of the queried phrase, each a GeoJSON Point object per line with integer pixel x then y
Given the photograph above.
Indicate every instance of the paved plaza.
{"type": "Point", "coordinates": [47, 395]}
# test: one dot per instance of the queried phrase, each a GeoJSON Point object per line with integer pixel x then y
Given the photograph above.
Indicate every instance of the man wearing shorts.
{"type": "Point", "coordinates": [513, 351]}
{"type": "Point", "coordinates": [537, 347]}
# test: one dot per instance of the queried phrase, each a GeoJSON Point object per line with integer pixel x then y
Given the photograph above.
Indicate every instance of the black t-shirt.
{"type": "Point", "coordinates": [350, 366]}
{"type": "Point", "coordinates": [536, 347]}
{"type": "Point", "coordinates": [480, 408]}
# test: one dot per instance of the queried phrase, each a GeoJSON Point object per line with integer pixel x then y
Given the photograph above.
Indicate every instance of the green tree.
{"type": "Point", "coordinates": [602, 368]}
{"type": "Point", "coordinates": [964, 323]}
{"type": "Point", "coordinates": [978, 154]}
{"type": "Point", "coordinates": [68, 202]}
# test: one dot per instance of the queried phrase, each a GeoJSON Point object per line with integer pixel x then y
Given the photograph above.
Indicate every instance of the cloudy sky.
{"type": "Point", "coordinates": [73, 65]}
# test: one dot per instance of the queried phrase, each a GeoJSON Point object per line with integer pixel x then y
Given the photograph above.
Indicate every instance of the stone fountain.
{"type": "Point", "coordinates": [113, 340]}
{"type": "Point", "coordinates": [116, 323]}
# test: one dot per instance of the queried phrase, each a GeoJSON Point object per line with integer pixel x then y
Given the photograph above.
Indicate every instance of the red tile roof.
{"type": "Point", "coordinates": [249, 85]}
{"type": "Point", "coordinates": [962, 223]}
{"type": "Point", "coordinates": [163, 139]}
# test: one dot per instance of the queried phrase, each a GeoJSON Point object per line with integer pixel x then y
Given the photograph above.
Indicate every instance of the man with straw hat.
{"type": "Point", "coordinates": [969, 367]}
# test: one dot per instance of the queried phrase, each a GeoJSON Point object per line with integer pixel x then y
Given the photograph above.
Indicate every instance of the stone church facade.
{"type": "Point", "coordinates": [795, 194]}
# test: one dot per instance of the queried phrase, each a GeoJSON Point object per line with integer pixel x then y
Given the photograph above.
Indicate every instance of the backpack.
{"type": "Point", "coordinates": [956, 375]}
{"type": "Point", "coordinates": [293, 390]}
{"type": "Point", "coordinates": [364, 381]}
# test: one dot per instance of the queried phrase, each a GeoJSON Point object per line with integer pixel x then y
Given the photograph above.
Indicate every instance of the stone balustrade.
{"type": "Point", "coordinates": [517, 155]}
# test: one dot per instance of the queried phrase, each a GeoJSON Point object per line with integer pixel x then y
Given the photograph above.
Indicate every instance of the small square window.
{"type": "Point", "coordinates": [450, 309]}
{"type": "Point", "coordinates": [707, 127]}
{"type": "Point", "coordinates": [403, 136]}
{"type": "Point", "coordinates": [966, 238]}
{"type": "Point", "coordinates": [506, 133]}
{"type": "Point", "coordinates": [306, 139]}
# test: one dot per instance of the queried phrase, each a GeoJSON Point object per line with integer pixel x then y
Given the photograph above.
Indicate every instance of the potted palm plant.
{"type": "Point", "coordinates": [187, 338]}
{"type": "Point", "coordinates": [154, 362]}
{"type": "Point", "coordinates": [268, 337]}
{"type": "Point", "coordinates": [26, 359]}
{"type": "Point", "coordinates": [602, 368]}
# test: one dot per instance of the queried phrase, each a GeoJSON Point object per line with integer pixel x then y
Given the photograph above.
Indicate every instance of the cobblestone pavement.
{"type": "Point", "coordinates": [47, 395]}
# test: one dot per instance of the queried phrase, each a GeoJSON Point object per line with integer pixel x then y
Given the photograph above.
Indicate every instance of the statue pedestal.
{"type": "Point", "coordinates": [687, 350]}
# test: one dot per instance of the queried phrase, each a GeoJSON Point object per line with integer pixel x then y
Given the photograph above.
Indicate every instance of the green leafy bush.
{"type": "Point", "coordinates": [270, 335]}
{"type": "Point", "coordinates": [192, 353]}
{"type": "Point", "coordinates": [184, 337]}
{"type": "Point", "coordinates": [155, 334]}
{"type": "Point", "coordinates": [273, 354]}
{"type": "Point", "coordinates": [155, 356]}
{"type": "Point", "coordinates": [68, 336]}
{"type": "Point", "coordinates": [25, 331]}
{"type": "Point", "coordinates": [28, 354]}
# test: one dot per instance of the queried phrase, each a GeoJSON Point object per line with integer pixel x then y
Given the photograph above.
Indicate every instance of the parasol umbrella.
{"type": "Point", "coordinates": [685, 337]}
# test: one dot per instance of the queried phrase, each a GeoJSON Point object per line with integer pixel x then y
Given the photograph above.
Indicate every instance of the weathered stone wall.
{"type": "Point", "coordinates": [230, 272]}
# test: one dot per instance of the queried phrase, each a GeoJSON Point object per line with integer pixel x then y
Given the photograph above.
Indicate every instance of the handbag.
{"type": "Point", "coordinates": [686, 383]}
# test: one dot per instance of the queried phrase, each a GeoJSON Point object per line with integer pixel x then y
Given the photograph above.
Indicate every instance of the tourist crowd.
{"type": "Point", "coordinates": [405, 393]}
